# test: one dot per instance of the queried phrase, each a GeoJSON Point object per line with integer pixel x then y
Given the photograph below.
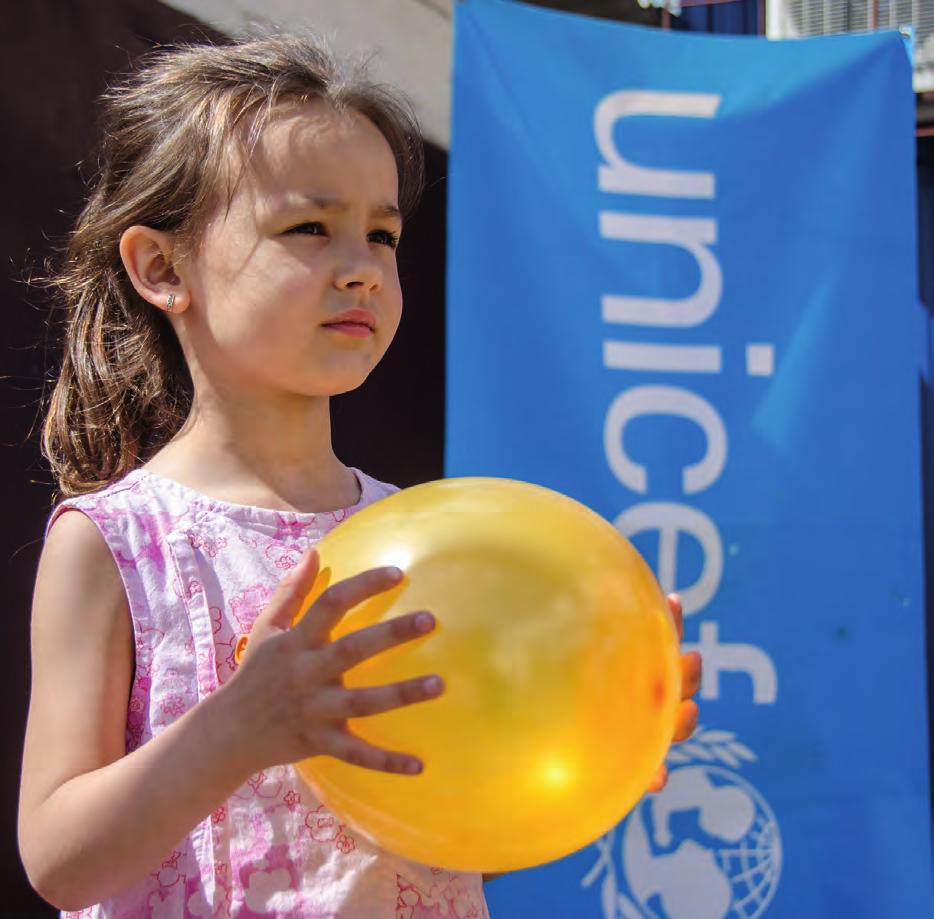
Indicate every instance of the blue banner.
{"type": "Point", "coordinates": [683, 290]}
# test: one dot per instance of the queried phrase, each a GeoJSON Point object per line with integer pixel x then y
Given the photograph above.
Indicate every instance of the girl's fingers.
{"type": "Point", "coordinates": [357, 752]}
{"type": "Point", "coordinates": [674, 604]}
{"type": "Point", "coordinates": [338, 599]}
{"type": "Point", "coordinates": [690, 674]}
{"type": "Point", "coordinates": [685, 720]}
{"type": "Point", "coordinates": [341, 703]}
{"type": "Point", "coordinates": [286, 599]}
{"type": "Point", "coordinates": [357, 647]}
{"type": "Point", "coordinates": [659, 780]}
{"type": "Point", "coordinates": [686, 715]}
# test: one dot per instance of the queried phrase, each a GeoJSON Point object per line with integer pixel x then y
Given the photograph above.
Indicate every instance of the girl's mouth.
{"type": "Point", "coordinates": [357, 322]}
{"type": "Point", "coordinates": [357, 329]}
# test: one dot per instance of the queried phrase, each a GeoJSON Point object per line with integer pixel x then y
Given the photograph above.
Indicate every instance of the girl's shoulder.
{"type": "Point", "coordinates": [373, 489]}
{"type": "Point", "coordinates": [135, 495]}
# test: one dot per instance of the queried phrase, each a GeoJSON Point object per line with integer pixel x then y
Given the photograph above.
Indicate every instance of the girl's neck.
{"type": "Point", "coordinates": [279, 460]}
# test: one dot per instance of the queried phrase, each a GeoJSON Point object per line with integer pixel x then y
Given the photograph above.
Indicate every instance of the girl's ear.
{"type": "Point", "coordinates": [147, 258]}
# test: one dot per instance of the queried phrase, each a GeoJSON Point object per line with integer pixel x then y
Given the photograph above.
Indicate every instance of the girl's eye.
{"type": "Point", "coordinates": [385, 238]}
{"type": "Point", "coordinates": [312, 228]}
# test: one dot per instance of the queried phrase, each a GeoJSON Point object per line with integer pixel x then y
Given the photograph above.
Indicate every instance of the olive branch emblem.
{"type": "Point", "coordinates": [709, 746]}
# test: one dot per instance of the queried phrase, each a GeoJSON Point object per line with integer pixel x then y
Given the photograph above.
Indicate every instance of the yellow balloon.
{"type": "Point", "coordinates": [560, 660]}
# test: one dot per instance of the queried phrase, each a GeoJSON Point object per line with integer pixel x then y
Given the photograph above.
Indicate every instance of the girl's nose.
{"type": "Point", "coordinates": [359, 270]}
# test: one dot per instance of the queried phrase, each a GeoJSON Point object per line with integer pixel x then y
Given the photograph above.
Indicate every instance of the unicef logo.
{"type": "Point", "coordinates": [707, 847]}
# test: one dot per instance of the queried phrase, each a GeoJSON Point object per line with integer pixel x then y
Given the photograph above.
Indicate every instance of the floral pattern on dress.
{"type": "Point", "coordinates": [197, 573]}
{"type": "Point", "coordinates": [446, 896]}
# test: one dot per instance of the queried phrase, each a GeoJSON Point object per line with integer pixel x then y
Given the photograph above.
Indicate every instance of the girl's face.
{"type": "Point", "coordinates": [294, 288]}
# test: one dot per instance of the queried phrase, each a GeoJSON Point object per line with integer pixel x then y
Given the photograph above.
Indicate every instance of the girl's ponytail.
{"type": "Point", "coordinates": [123, 389]}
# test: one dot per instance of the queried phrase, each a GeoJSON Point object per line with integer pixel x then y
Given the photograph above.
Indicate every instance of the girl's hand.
{"type": "Point", "coordinates": [288, 697]}
{"type": "Point", "coordinates": [686, 719]}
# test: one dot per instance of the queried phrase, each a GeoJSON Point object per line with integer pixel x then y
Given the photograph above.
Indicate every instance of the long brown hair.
{"type": "Point", "coordinates": [124, 389]}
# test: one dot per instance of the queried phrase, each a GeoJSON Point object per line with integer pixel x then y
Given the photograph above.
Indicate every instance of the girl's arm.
{"type": "Point", "coordinates": [94, 820]}
{"type": "Point", "coordinates": [91, 819]}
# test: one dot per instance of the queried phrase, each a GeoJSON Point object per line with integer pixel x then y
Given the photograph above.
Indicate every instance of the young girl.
{"type": "Point", "coordinates": [234, 268]}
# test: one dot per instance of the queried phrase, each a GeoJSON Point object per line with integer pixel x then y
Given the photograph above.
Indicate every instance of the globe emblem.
{"type": "Point", "coordinates": [707, 847]}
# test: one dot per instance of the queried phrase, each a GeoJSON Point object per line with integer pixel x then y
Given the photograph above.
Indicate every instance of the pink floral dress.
{"type": "Point", "coordinates": [197, 571]}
